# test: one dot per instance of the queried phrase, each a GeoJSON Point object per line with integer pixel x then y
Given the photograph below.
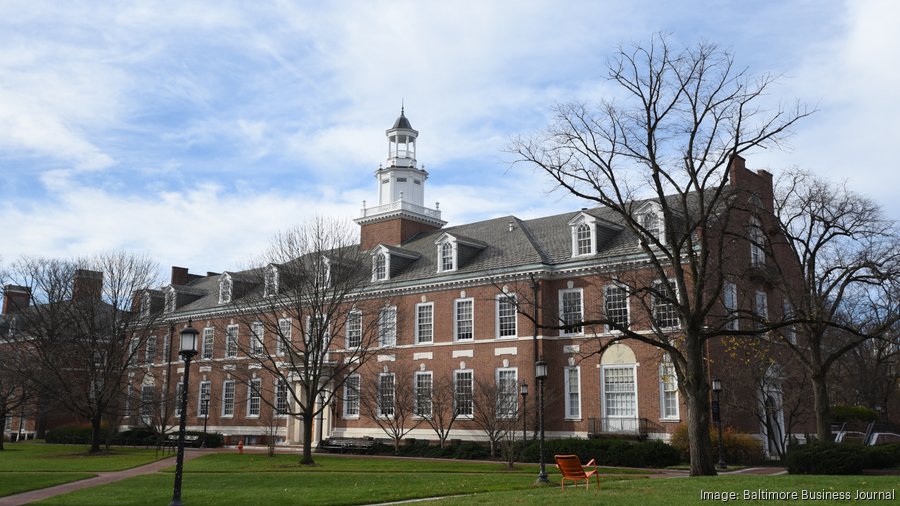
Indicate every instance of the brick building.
{"type": "Point", "coordinates": [460, 301]}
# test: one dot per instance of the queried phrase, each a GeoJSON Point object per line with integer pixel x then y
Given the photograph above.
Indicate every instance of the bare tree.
{"type": "Point", "coordinates": [389, 399]}
{"type": "Point", "coordinates": [15, 391]}
{"type": "Point", "coordinates": [496, 410]}
{"type": "Point", "coordinates": [849, 255]}
{"type": "Point", "coordinates": [676, 125]}
{"type": "Point", "coordinates": [438, 407]}
{"type": "Point", "coordinates": [79, 330]}
{"type": "Point", "coordinates": [313, 323]}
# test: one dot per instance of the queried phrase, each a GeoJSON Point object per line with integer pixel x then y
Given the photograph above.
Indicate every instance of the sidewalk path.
{"type": "Point", "coordinates": [102, 478]}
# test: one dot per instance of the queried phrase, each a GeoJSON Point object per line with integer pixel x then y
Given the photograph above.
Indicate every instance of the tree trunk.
{"type": "Point", "coordinates": [822, 408]}
{"type": "Point", "coordinates": [95, 435]}
{"type": "Point", "coordinates": [396, 446]}
{"type": "Point", "coordinates": [307, 458]}
{"type": "Point", "coordinates": [696, 391]}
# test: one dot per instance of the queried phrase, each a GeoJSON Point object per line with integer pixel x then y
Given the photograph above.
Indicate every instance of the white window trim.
{"type": "Point", "coordinates": [350, 316]}
{"type": "Point", "coordinates": [287, 399]}
{"type": "Point", "coordinates": [454, 254]}
{"type": "Point", "coordinates": [171, 300]}
{"type": "Point", "coordinates": [580, 291]}
{"type": "Point", "coordinates": [417, 335]}
{"type": "Point", "coordinates": [387, 266]}
{"type": "Point", "coordinates": [660, 287]}
{"type": "Point", "coordinates": [456, 303]}
{"type": "Point", "coordinates": [472, 401]}
{"type": "Point", "coordinates": [637, 407]}
{"type": "Point", "coordinates": [381, 333]}
{"type": "Point", "coordinates": [226, 287]}
{"type": "Point", "coordinates": [378, 404]}
{"type": "Point", "coordinates": [627, 307]}
{"type": "Point", "coordinates": [257, 338]}
{"type": "Point", "coordinates": [731, 312]}
{"type": "Point", "coordinates": [568, 403]}
{"type": "Point", "coordinates": [514, 301]}
{"type": "Point", "coordinates": [200, 398]}
{"type": "Point", "coordinates": [346, 402]}
{"type": "Point", "coordinates": [515, 392]}
{"type": "Point", "coordinates": [225, 398]}
{"type": "Point", "coordinates": [283, 336]}
{"type": "Point", "coordinates": [788, 312]}
{"type": "Point", "coordinates": [665, 363]}
{"type": "Point", "coordinates": [757, 244]}
{"type": "Point", "coordinates": [250, 396]}
{"type": "Point", "coordinates": [228, 335]}
{"type": "Point", "coordinates": [270, 282]}
{"type": "Point", "coordinates": [212, 343]}
{"type": "Point", "coordinates": [416, 415]}
{"type": "Point", "coordinates": [591, 222]}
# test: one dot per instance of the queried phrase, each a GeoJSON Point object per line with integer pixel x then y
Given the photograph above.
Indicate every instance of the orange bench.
{"type": "Point", "coordinates": [571, 469]}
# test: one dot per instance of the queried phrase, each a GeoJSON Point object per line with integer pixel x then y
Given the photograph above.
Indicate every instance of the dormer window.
{"type": "Point", "coordinates": [583, 240]}
{"type": "Point", "coordinates": [171, 298]}
{"type": "Point", "coordinates": [650, 222]}
{"type": "Point", "coordinates": [323, 273]}
{"type": "Point", "coordinates": [379, 266]}
{"type": "Point", "coordinates": [145, 304]}
{"type": "Point", "coordinates": [270, 283]}
{"type": "Point", "coordinates": [447, 258]}
{"type": "Point", "coordinates": [453, 251]}
{"type": "Point", "coordinates": [225, 286]}
{"type": "Point", "coordinates": [584, 237]}
{"type": "Point", "coordinates": [649, 218]}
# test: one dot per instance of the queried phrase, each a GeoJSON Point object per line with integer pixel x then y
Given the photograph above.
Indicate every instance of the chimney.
{"type": "Point", "coordinates": [15, 298]}
{"type": "Point", "coordinates": [179, 276]}
{"type": "Point", "coordinates": [87, 285]}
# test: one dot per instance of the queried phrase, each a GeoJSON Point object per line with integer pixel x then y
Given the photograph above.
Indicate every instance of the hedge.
{"type": "Point", "coordinates": [739, 448]}
{"type": "Point", "coordinates": [852, 413]}
{"type": "Point", "coordinates": [826, 458]}
{"type": "Point", "coordinates": [607, 452]}
{"type": "Point", "coordinates": [80, 434]}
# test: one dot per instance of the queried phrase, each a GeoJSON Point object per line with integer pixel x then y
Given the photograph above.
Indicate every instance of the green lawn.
{"type": "Point", "coordinates": [16, 483]}
{"type": "Point", "coordinates": [37, 456]}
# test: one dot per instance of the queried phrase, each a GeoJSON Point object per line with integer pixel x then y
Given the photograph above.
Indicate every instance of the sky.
{"type": "Point", "coordinates": [193, 131]}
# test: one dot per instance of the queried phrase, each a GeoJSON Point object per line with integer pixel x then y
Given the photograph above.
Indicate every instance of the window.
{"type": "Point", "coordinates": [354, 329]}
{"type": "Point", "coordinates": [178, 394]}
{"type": "Point", "coordinates": [665, 314]}
{"type": "Point", "coordinates": [573, 392]}
{"type": "Point", "coordinates": [757, 243]}
{"type": "Point", "coordinates": [668, 390]}
{"type": "Point", "coordinates": [205, 388]}
{"type": "Point", "coordinates": [171, 298]}
{"type": "Point", "coordinates": [283, 340]}
{"type": "Point", "coordinates": [133, 347]}
{"type": "Point", "coordinates": [650, 223]}
{"type": "Point", "coordinates": [425, 323]}
{"type": "Point", "coordinates": [253, 397]}
{"type": "Point", "coordinates": [729, 300]}
{"type": "Point", "coordinates": [791, 331]}
{"type": "Point", "coordinates": [386, 395]}
{"type": "Point", "coordinates": [423, 387]}
{"type": "Point", "coordinates": [257, 331]}
{"type": "Point", "coordinates": [129, 391]}
{"type": "Point", "coordinates": [463, 322]}
{"type": "Point", "coordinates": [462, 393]}
{"type": "Point", "coordinates": [151, 349]}
{"type": "Point", "coordinates": [620, 397]}
{"type": "Point", "coordinates": [583, 239]}
{"type": "Point", "coordinates": [507, 393]}
{"type": "Point", "coordinates": [281, 397]}
{"type": "Point", "coordinates": [147, 394]}
{"type": "Point", "coordinates": [506, 315]}
{"type": "Point", "coordinates": [207, 348]}
{"type": "Point", "coordinates": [570, 311]}
{"type": "Point", "coordinates": [165, 350]}
{"type": "Point", "coordinates": [317, 335]}
{"type": "Point", "coordinates": [762, 309]}
{"type": "Point", "coordinates": [379, 267]}
{"type": "Point", "coordinates": [387, 327]}
{"type": "Point", "coordinates": [231, 341]}
{"type": "Point", "coordinates": [228, 398]}
{"type": "Point", "coordinates": [323, 273]}
{"type": "Point", "coordinates": [225, 286]}
{"type": "Point", "coordinates": [615, 300]}
{"type": "Point", "coordinates": [270, 285]}
{"type": "Point", "coordinates": [447, 258]}
{"type": "Point", "coordinates": [145, 304]}
{"type": "Point", "coordinates": [351, 396]}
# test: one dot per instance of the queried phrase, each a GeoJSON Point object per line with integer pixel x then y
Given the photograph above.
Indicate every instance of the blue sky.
{"type": "Point", "coordinates": [194, 131]}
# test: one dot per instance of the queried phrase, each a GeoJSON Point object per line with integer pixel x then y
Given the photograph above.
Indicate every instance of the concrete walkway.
{"type": "Point", "coordinates": [102, 478]}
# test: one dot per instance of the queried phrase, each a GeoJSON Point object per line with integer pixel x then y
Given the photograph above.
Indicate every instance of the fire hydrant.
{"type": "Point", "coordinates": [241, 446]}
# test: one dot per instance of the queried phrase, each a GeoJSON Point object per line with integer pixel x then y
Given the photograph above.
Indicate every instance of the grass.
{"type": "Point", "coordinates": [40, 457]}
{"type": "Point", "coordinates": [16, 483]}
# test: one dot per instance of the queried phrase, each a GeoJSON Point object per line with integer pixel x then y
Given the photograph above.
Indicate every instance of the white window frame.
{"type": "Point", "coordinates": [511, 394]}
{"type": "Point", "coordinates": [506, 299]}
{"type": "Point", "coordinates": [257, 338]}
{"type": "Point", "coordinates": [226, 285]}
{"type": "Point", "coordinates": [178, 389]}
{"type": "Point", "coordinates": [730, 303]}
{"type": "Point", "coordinates": [171, 300]}
{"type": "Point", "coordinates": [457, 321]}
{"type": "Point", "coordinates": [165, 351]}
{"type": "Point", "coordinates": [563, 319]}
{"type": "Point", "coordinates": [423, 337]}
{"type": "Point", "coordinates": [383, 395]}
{"type": "Point", "coordinates": [381, 266]}
{"type": "Point", "coordinates": [270, 283]}
{"type": "Point", "coordinates": [353, 337]}
{"type": "Point", "coordinates": [584, 240]}
{"type": "Point", "coordinates": [757, 238]}
{"type": "Point", "coordinates": [606, 308]}
{"type": "Point", "coordinates": [285, 326]}
{"type": "Point", "coordinates": [205, 388]}
{"type": "Point", "coordinates": [228, 398]}
{"type": "Point", "coordinates": [421, 396]}
{"type": "Point", "coordinates": [146, 303]}
{"type": "Point", "coordinates": [281, 403]}
{"type": "Point", "coordinates": [323, 273]}
{"type": "Point", "coordinates": [651, 222]}
{"type": "Point", "coordinates": [470, 402]}
{"type": "Point", "coordinates": [604, 395]}
{"type": "Point", "coordinates": [209, 342]}
{"type": "Point", "coordinates": [447, 255]}
{"type": "Point", "coordinates": [351, 397]}
{"type": "Point", "coordinates": [254, 398]}
{"type": "Point", "coordinates": [669, 307]}
{"type": "Point", "coordinates": [387, 327]}
{"type": "Point", "coordinates": [572, 393]}
{"type": "Point", "coordinates": [788, 312]}
{"type": "Point", "coordinates": [668, 390]}
{"type": "Point", "coordinates": [150, 350]}
{"type": "Point", "coordinates": [761, 306]}
{"type": "Point", "coordinates": [232, 333]}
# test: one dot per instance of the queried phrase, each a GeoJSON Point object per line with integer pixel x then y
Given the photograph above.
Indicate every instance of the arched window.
{"type": "Point", "coordinates": [757, 243]}
{"type": "Point", "coordinates": [583, 239]}
{"type": "Point", "coordinates": [447, 260]}
{"type": "Point", "coordinates": [379, 267]}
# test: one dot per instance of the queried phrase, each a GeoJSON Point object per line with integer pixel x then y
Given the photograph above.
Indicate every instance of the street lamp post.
{"type": "Point", "coordinates": [717, 417]}
{"type": "Point", "coordinates": [205, 399]}
{"type": "Point", "coordinates": [523, 389]}
{"type": "Point", "coordinates": [540, 374]}
{"type": "Point", "coordinates": [188, 350]}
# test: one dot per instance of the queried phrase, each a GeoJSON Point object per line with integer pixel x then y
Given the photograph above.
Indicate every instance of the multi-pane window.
{"type": "Point", "coordinates": [231, 341]}
{"type": "Point", "coordinates": [757, 243]}
{"type": "Point", "coordinates": [354, 329]}
{"type": "Point", "coordinates": [615, 301]}
{"type": "Point", "coordinates": [379, 267]}
{"type": "Point", "coordinates": [225, 290]}
{"type": "Point", "coordinates": [573, 391]}
{"type": "Point", "coordinates": [151, 349]}
{"type": "Point", "coordinates": [423, 387]}
{"type": "Point", "coordinates": [253, 397]}
{"type": "Point", "coordinates": [171, 297]}
{"type": "Point", "coordinates": [147, 394]}
{"type": "Point", "coordinates": [570, 308]}
{"type": "Point", "coordinates": [583, 239]}
{"type": "Point", "coordinates": [178, 394]}
{"type": "Point", "coordinates": [257, 332]}
{"type": "Point", "coordinates": [506, 315]}
{"type": "Point", "coordinates": [284, 338]}
{"type": "Point", "coordinates": [351, 396]}
{"type": "Point", "coordinates": [165, 350]}
{"type": "Point", "coordinates": [205, 389]}
{"type": "Point", "coordinates": [463, 401]}
{"type": "Point", "coordinates": [281, 397]}
{"type": "Point", "coordinates": [317, 335]}
{"type": "Point", "coordinates": [425, 322]}
{"type": "Point", "coordinates": [133, 347]}
{"type": "Point", "coordinates": [650, 222]}
{"type": "Point", "coordinates": [507, 393]}
{"type": "Point", "coordinates": [447, 263]}
{"type": "Point", "coordinates": [463, 321]}
{"type": "Point", "coordinates": [206, 351]}
{"type": "Point", "coordinates": [387, 326]}
{"type": "Point", "coordinates": [665, 314]}
{"type": "Point", "coordinates": [386, 395]}
{"type": "Point", "coordinates": [323, 273]}
{"type": "Point", "coordinates": [762, 308]}
{"type": "Point", "coordinates": [620, 397]}
{"type": "Point", "coordinates": [668, 389]}
{"type": "Point", "coordinates": [228, 398]}
{"type": "Point", "coordinates": [270, 287]}
{"type": "Point", "coordinates": [791, 332]}
{"type": "Point", "coordinates": [729, 300]}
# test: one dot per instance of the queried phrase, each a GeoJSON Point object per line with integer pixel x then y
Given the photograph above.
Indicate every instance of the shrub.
{"type": "Point", "coordinates": [826, 458]}
{"type": "Point", "coordinates": [73, 434]}
{"type": "Point", "coordinates": [740, 448]}
{"type": "Point", "coordinates": [607, 452]}
{"type": "Point", "coordinates": [883, 456]}
{"type": "Point", "coordinates": [853, 414]}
